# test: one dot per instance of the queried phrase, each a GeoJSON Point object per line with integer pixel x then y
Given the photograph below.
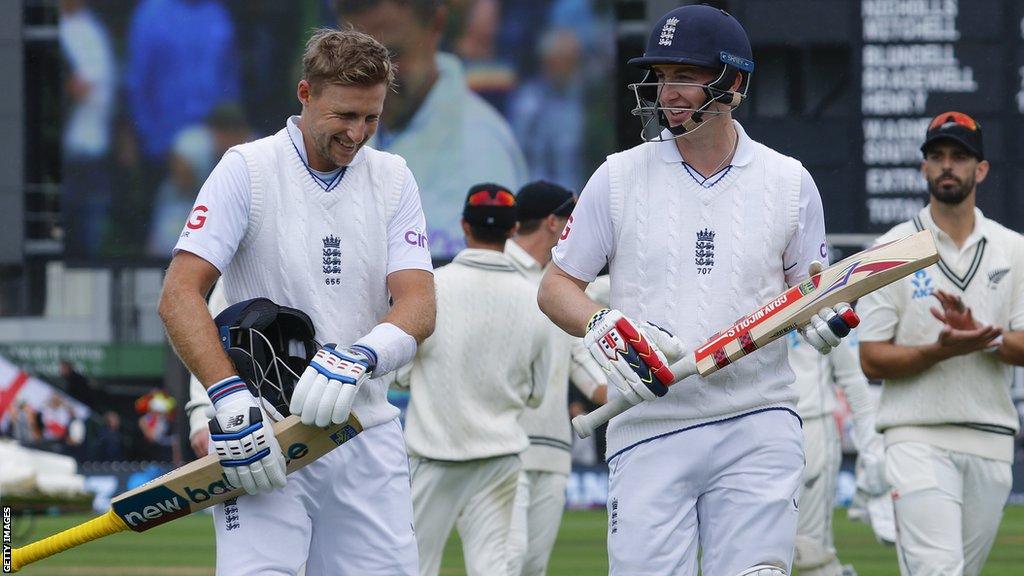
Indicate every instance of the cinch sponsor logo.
{"type": "Point", "coordinates": [151, 508]}
{"type": "Point", "coordinates": [416, 238]}
{"type": "Point", "coordinates": [197, 218]}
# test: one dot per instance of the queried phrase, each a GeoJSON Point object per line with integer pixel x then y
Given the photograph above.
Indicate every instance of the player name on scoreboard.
{"type": "Point", "coordinates": [909, 53]}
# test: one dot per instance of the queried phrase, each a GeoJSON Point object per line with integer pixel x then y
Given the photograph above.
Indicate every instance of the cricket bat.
{"type": "Point", "coordinates": [192, 487]}
{"type": "Point", "coordinates": [845, 281]}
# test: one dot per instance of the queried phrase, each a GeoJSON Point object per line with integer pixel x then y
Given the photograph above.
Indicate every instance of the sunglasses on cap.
{"type": "Point", "coordinates": [502, 198]}
{"type": "Point", "coordinates": [958, 118]}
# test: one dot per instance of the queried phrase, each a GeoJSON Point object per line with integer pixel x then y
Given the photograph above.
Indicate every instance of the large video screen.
{"type": "Point", "coordinates": [157, 90]}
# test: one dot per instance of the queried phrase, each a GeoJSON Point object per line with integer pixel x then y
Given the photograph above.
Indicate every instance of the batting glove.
{"type": "Point", "coordinates": [830, 325]}
{"type": "Point", "coordinates": [245, 444]}
{"type": "Point", "coordinates": [324, 393]}
{"type": "Point", "coordinates": [635, 358]}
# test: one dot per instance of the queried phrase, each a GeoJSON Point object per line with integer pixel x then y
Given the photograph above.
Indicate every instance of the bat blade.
{"type": "Point", "coordinates": [187, 489]}
{"type": "Point", "coordinates": [845, 281]}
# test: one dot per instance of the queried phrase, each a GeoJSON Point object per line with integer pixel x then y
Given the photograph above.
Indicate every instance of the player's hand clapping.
{"type": "Point", "coordinates": [324, 393]}
{"type": "Point", "coordinates": [962, 333]}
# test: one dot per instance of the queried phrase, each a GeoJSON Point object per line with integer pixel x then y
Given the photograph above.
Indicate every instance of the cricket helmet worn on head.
{"type": "Point", "coordinates": [698, 36]}
{"type": "Point", "coordinates": [270, 346]}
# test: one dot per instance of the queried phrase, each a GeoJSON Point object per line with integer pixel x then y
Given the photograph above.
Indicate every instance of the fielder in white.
{"type": "Point", "coordinates": [817, 376]}
{"type": "Point", "coordinates": [698, 226]}
{"type": "Point", "coordinates": [470, 381]}
{"type": "Point", "coordinates": [543, 209]}
{"type": "Point", "coordinates": [313, 219]}
{"type": "Point", "coordinates": [945, 341]}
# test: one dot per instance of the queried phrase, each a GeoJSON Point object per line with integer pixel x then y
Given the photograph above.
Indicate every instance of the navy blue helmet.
{"type": "Point", "coordinates": [700, 36]}
{"type": "Point", "coordinates": [270, 346]}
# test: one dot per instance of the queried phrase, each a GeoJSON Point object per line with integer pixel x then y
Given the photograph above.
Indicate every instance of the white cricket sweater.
{"type": "Point", "coordinates": [737, 231]}
{"type": "Point", "coordinates": [547, 425]}
{"type": "Point", "coordinates": [971, 392]}
{"type": "Point", "coordinates": [485, 362]}
{"type": "Point", "coordinates": [324, 253]}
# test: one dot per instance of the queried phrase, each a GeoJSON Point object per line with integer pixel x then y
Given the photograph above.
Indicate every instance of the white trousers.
{"type": "Point", "coordinates": [729, 488]}
{"type": "Point", "coordinates": [476, 496]}
{"type": "Point", "coordinates": [348, 513]}
{"type": "Point", "coordinates": [815, 553]}
{"type": "Point", "coordinates": [540, 500]}
{"type": "Point", "coordinates": [948, 507]}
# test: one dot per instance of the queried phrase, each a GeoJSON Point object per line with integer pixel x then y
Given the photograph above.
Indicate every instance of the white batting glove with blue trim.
{"type": "Point", "coordinates": [244, 442]}
{"type": "Point", "coordinates": [324, 393]}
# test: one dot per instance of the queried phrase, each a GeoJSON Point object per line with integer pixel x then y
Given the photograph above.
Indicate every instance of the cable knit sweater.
{"type": "Point", "coordinates": [485, 362]}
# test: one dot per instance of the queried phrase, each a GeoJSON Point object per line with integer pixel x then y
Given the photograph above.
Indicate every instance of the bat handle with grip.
{"type": "Point", "coordinates": [585, 424]}
{"type": "Point", "coordinates": [105, 525]}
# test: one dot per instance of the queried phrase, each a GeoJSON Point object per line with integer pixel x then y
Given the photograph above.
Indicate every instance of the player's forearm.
{"type": "Point", "coordinates": [193, 334]}
{"type": "Point", "coordinates": [563, 300]}
{"type": "Point", "coordinates": [1012, 349]}
{"type": "Point", "coordinates": [414, 305]}
{"type": "Point", "coordinates": [887, 360]}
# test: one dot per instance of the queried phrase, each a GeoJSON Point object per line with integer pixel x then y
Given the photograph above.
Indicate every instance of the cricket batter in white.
{"type": "Point", "coordinates": [945, 341]}
{"type": "Point", "coordinates": [543, 209]}
{"type": "Point", "coordinates": [698, 226]}
{"type": "Point", "coordinates": [817, 376]}
{"type": "Point", "coordinates": [314, 220]}
{"type": "Point", "coordinates": [470, 382]}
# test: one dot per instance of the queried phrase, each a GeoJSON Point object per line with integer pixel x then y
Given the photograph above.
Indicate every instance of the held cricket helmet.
{"type": "Point", "coordinates": [270, 346]}
{"type": "Point", "coordinates": [700, 36]}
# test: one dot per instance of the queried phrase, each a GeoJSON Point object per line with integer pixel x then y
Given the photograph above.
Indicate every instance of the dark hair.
{"type": "Point", "coordinates": [531, 225]}
{"type": "Point", "coordinates": [489, 235]}
{"type": "Point", "coordinates": [424, 9]}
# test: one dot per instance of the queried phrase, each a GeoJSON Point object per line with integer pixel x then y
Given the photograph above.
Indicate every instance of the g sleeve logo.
{"type": "Point", "coordinates": [197, 219]}
{"type": "Point", "coordinates": [567, 229]}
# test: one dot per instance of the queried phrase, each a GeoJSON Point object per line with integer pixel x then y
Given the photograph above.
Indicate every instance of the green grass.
{"type": "Point", "coordinates": [186, 547]}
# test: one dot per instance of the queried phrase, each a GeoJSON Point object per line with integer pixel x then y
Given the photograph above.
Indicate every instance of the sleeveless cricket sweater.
{"type": "Point", "coordinates": [323, 252]}
{"type": "Point", "coordinates": [693, 260]}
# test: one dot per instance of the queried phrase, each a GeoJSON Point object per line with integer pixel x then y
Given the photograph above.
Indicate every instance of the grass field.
{"type": "Point", "coordinates": [186, 547]}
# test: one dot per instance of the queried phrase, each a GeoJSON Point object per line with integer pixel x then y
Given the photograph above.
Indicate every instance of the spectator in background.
{"type": "Point", "coordinates": [181, 65]}
{"type": "Point", "coordinates": [85, 390]}
{"type": "Point", "coordinates": [486, 74]}
{"type": "Point", "coordinates": [26, 426]}
{"type": "Point", "coordinates": [449, 136]}
{"type": "Point", "coordinates": [547, 112]}
{"type": "Point", "coordinates": [191, 161]}
{"type": "Point", "coordinates": [89, 91]}
{"type": "Point", "coordinates": [55, 418]}
{"type": "Point", "coordinates": [157, 411]}
{"type": "Point", "coordinates": [109, 444]}
{"type": "Point", "coordinates": [229, 127]}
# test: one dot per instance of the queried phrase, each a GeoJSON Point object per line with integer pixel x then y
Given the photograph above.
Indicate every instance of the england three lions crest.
{"type": "Point", "coordinates": [704, 251]}
{"type": "Point", "coordinates": [332, 260]}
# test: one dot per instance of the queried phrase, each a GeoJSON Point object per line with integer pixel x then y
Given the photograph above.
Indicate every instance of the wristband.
{"type": "Point", "coordinates": [389, 345]}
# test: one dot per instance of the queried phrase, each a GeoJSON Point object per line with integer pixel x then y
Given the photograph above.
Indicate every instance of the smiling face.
{"type": "Point", "coordinates": [952, 172]}
{"type": "Point", "coordinates": [675, 95]}
{"type": "Point", "coordinates": [337, 120]}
